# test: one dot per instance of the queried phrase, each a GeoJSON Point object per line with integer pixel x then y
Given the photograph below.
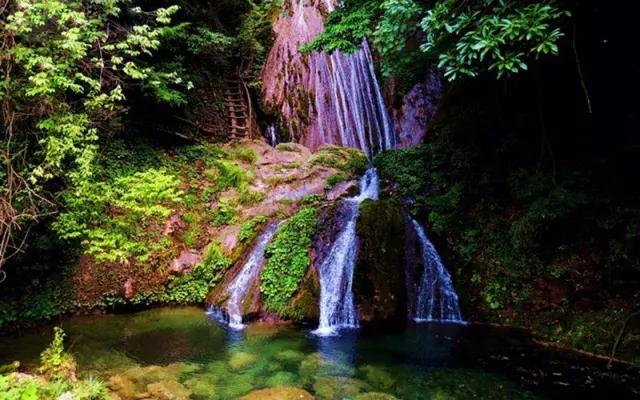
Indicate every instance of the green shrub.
{"type": "Point", "coordinates": [248, 229]}
{"type": "Point", "coordinates": [55, 363]}
{"type": "Point", "coordinates": [288, 259]}
{"type": "Point", "coordinates": [312, 199]}
{"type": "Point", "coordinates": [334, 179]}
{"type": "Point", "coordinates": [110, 216]}
{"type": "Point", "coordinates": [245, 154]}
{"type": "Point", "coordinates": [225, 214]}
{"type": "Point", "coordinates": [230, 175]}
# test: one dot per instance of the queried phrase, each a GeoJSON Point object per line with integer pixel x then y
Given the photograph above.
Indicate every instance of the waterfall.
{"type": "Point", "coordinates": [337, 308]}
{"type": "Point", "coordinates": [324, 98]}
{"type": "Point", "coordinates": [272, 135]}
{"type": "Point", "coordinates": [437, 299]}
{"type": "Point", "coordinates": [241, 284]}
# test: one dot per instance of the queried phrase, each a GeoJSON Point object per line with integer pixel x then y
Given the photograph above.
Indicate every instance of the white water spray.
{"type": "Point", "coordinates": [337, 308]}
{"type": "Point", "coordinates": [437, 299]}
{"type": "Point", "coordinates": [241, 284]}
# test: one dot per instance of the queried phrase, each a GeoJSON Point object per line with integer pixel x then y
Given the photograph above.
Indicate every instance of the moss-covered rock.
{"type": "Point", "coordinates": [379, 278]}
{"type": "Point", "coordinates": [279, 393]}
{"type": "Point", "coordinates": [349, 160]}
{"type": "Point", "coordinates": [338, 387]}
{"type": "Point", "coordinates": [304, 305]}
{"type": "Point", "coordinates": [241, 360]}
{"type": "Point", "coordinates": [168, 390]}
{"type": "Point", "coordinates": [375, 396]}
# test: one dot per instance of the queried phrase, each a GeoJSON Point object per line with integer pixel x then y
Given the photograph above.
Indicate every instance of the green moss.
{"type": "Point", "coordinates": [249, 228]}
{"type": "Point", "coordinates": [288, 147]}
{"type": "Point", "coordinates": [287, 259]}
{"type": "Point", "coordinates": [352, 162]}
{"type": "Point", "coordinates": [245, 154]}
{"type": "Point", "coordinates": [379, 286]}
{"type": "Point", "coordinates": [336, 178]}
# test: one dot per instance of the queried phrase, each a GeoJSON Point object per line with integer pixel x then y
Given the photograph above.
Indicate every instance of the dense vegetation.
{"type": "Point", "coordinates": [110, 111]}
{"type": "Point", "coordinates": [288, 259]}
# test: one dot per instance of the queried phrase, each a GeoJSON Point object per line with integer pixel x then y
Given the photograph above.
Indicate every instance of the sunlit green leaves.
{"type": "Point", "coordinates": [495, 35]}
{"type": "Point", "coordinates": [465, 38]}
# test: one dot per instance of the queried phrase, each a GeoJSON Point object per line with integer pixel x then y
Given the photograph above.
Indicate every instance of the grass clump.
{"type": "Point", "coordinates": [335, 179]}
{"type": "Point", "coordinates": [288, 147]}
{"type": "Point", "coordinates": [288, 259]}
{"type": "Point", "coordinates": [350, 161]}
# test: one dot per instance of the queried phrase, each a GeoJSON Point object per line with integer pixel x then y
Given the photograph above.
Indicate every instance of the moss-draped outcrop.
{"type": "Point", "coordinates": [379, 276]}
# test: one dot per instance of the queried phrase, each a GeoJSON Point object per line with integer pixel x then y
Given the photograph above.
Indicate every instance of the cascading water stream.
{"type": "Point", "coordinates": [324, 98]}
{"type": "Point", "coordinates": [328, 99]}
{"type": "Point", "coordinates": [241, 284]}
{"type": "Point", "coordinates": [437, 299]}
{"type": "Point", "coordinates": [337, 308]}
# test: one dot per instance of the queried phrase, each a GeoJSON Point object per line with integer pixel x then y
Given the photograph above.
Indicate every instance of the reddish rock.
{"type": "Point", "coordinates": [174, 223]}
{"type": "Point", "coordinates": [128, 289]}
{"type": "Point", "coordinates": [185, 262]}
{"type": "Point", "coordinates": [342, 189]}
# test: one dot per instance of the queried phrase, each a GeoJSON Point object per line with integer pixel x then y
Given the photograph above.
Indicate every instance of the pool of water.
{"type": "Point", "coordinates": [196, 357]}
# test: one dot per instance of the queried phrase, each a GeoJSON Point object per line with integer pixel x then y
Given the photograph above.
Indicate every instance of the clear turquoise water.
{"type": "Point", "coordinates": [209, 361]}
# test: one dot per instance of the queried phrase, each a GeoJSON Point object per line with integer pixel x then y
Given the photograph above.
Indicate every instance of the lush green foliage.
{"type": "Point", "coordinates": [288, 259]}
{"type": "Point", "coordinates": [249, 228]}
{"type": "Point", "coordinates": [58, 377]}
{"type": "Point", "coordinates": [466, 38]}
{"type": "Point", "coordinates": [108, 215]}
{"type": "Point", "coordinates": [494, 35]}
{"type": "Point", "coordinates": [64, 70]}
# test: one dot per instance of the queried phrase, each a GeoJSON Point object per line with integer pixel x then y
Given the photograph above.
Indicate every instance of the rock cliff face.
{"type": "Point", "coordinates": [418, 109]}
{"type": "Point", "coordinates": [323, 98]}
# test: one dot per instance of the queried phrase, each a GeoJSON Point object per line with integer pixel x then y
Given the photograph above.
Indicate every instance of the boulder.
{"type": "Point", "coordinates": [173, 224]}
{"type": "Point", "coordinates": [123, 386]}
{"type": "Point", "coordinates": [338, 387]}
{"type": "Point", "coordinates": [185, 262]}
{"type": "Point", "coordinates": [168, 390]}
{"type": "Point", "coordinates": [379, 277]}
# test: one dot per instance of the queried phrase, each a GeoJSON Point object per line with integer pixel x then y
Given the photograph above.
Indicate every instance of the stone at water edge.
{"type": "Point", "coordinates": [123, 386]}
{"type": "Point", "coordinates": [168, 390]}
{"type": "Point", "coordinates": [279, 393]}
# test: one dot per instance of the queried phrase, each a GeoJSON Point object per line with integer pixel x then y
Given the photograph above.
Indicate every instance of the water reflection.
{"type": "Point", "coordinates": [425, 361]}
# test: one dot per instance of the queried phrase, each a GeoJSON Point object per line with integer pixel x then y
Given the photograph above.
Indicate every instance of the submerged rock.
{"type": "Point", "coordinates": [282, 378]}
{"type": "Point", "coordinates": [378, 377]}
{"type": "Point", "coordinates": [168, 390]}
{"type": "Point", "coordinates": [241, 360]}
{"type": "Point", "coordinates": [123, 386]}
{"type": "Point", "coordinates": [279, 393]}
{"type": "Point", "coordinates": [338, 387]}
